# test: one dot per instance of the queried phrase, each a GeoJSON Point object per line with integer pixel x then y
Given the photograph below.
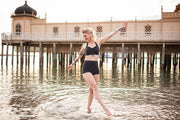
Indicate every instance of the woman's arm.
{"type": "Point", "coordinates": [81, 53]}
{"type": "Point", "coordinates": [104, 39]}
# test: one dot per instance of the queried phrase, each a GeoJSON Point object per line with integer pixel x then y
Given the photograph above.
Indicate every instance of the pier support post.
{"type": "Point", "coordinates": [138, 56]}
{"type": "Point", "coordinates": [2, 54]}
{"type": "Point", "coordinates": [163, 57]}
{"type": "Point", "coordinates": [179, 62]}
{"type": "Point", "coordinates": [47, 57]}
{"type": "Point", "coordinates": [152, 60]}
{"type": "Point", "coordinates": [40, 55]}
{"type": "Point", "coordinates": [122, 54]}
{"type": "Point", "coordinates": [7, 53]}
{"type": "Point", "coordinates": [28, 56]}
{"type": "Point", "coordinates": [17, 55]}
{"type": "Point", "coordinates": [25, 55]}
{"type": "Point", "coordinates": [114, 60]}
{"type": "Point", "coordinates": [12, 55]}
{"type": "Point", "coordinates": [70, 54]}
{"type": "Point", "coordinates": [34, 55]}
{"type": "Point", "coordinates": [102, 60]}
{"type": "Point", "coordinates": [175, 60]}
{"type": "Point", "coordinates": [168, 61]}
{"type": "Point", "coordinates": [21, 54]}
{"type": "Point", "coordinates": [54, 56]}
{"type": "Point", "coordinates": [62, 59]}
{"type": "Point", "coordinates": [147, 59]}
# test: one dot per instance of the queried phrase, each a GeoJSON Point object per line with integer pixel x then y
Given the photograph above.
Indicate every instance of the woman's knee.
{"type": "Point", "coordinates": [94, 86]}
{"type": "Point", "coordinates": [90, 90]}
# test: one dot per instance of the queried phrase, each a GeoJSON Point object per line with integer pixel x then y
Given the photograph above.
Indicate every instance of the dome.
{"type": "Point", "coordinates": [177, 8]}
{"type": "Point", "coordinates": [25, 9]}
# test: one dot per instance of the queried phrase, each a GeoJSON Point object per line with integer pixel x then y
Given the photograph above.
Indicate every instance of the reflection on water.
{"type": "Point", "coordinates": [57, 94]}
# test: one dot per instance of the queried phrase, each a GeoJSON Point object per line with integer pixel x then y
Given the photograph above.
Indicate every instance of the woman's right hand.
{"type": "Point", "coordinates": [70, 67]}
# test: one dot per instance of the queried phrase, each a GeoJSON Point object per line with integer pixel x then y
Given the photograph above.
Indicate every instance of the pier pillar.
{"type": "Point", "coordinates": [179, 62]}
{"type": "Point", "coordinates": [54, 56]}
{"type": "Point", "coordinates": [102, 59]}
{"type": "Point", "coordinates": [122, 54]}
{"type": "Point", "coordinates": [63, 59]}
{"type": "Point", "coordinates": [2, 54]}
{"type": "Point", "coordinates": [47, 57]}
{"type": "Point", "coordinates": [134, 62]}
{"type": "Point", "coordinates": [70, 54]}
{"type": "Point", "coordinates": [25, 55]}
{"type": "Point", "coordinates": [168, 61]}
{"type": "Point", "coordinates": [82, 60]}
{"type": "Point", "coordinates": [34, 55]}
{"type": "Point", "coordinates": [40, 55]}
{"type": "Point", "coordinates": [7, 53]}
{"type": "Point", "coordinates": [175, 60]}
{"type": "Point", "coordinates": [59, 57]}
{"type": "Point", "coordinates": [138, 56]}
{"type": "Point", "coordinates": [152, 60]}
{"type": "Point", "coordinates": [147, 59]}
{"type": "Point", "coordinates": [12, 55]}
{"type": "Point", "coordinates": [21, 54]}
{"type": "Point", "coordinates": [143, 59]}
{"type": "Point", "coordinates": [163, 57]}
{"type": "Point", "coordinates": [17, 55]}
{"type": "Point", "coordinates": [28, 56]}
{"type": "Point", "coordinates": [114, 60]}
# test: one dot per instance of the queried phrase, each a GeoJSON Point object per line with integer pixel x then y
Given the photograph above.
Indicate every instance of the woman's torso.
{"type": "Point", "coordinates": [92, 51]}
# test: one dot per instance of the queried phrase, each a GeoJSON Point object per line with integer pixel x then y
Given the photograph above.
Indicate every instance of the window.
{"type": "Point", "coordinates": [123, 31]}
{"type": "Point", "coordinates": [99, 31]}
{"type": "Point", "coordinates": [18, 29]}
{"type": "Point", "coordinates": [76, 30]}
{"type": "Point", "coordinates": [55, 30]}
{"type": "Point", "coordinates": [147, 30]}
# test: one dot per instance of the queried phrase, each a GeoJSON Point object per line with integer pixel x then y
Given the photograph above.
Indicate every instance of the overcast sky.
{"type": "Point", "coordinates": [83, 10]}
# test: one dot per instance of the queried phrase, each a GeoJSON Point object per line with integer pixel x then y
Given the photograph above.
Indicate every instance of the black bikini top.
{"type": "Point", "coordinates": [92, 51]}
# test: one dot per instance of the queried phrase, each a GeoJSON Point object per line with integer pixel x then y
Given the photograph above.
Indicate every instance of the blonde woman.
{"type": "Point", "coordinates": [90, 67]}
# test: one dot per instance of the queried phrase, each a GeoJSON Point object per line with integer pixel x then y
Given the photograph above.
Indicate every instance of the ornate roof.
{"type": "Point", "coordinates": [177, 8]}
{"type": "Point", "coordinates": [25, 9]}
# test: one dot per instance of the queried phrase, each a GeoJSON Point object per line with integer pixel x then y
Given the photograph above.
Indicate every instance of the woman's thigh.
{"type": "Point", "coordinates": [89, 78]}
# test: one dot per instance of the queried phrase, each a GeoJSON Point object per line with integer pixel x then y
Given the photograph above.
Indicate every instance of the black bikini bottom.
{"type": "Point", "coordinates": [90, 66]}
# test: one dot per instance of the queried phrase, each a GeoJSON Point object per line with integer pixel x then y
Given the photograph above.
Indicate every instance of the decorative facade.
{"type": "Point", "coordinates": [25, 20]}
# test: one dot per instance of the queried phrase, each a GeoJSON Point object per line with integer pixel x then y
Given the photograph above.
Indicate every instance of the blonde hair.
{"type": "Point", "coordinates": [89, 30]}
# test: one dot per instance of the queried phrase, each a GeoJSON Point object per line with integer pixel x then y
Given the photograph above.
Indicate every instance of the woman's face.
{"type": "Point", "coordinates": [87, 36]}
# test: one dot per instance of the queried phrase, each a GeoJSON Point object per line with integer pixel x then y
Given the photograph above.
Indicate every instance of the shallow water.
{"type": "Point", "coordinates": [131, 94]}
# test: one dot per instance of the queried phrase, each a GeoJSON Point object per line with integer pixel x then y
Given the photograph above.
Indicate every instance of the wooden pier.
{"type": "Point", "coordinates": [131, 46]}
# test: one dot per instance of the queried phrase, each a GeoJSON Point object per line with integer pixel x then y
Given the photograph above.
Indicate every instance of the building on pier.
{"type": "Point", "coordinates": [25, 20]}
{"type": "Point", "coordinates": [28, 30]}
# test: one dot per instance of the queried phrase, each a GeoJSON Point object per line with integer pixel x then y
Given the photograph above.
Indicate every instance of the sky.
{"type": "Point", "coordinates": [87, 10]}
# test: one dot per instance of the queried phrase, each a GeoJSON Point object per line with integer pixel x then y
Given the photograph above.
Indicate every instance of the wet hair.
{"type": "Point", "coordinates": [89, 30]}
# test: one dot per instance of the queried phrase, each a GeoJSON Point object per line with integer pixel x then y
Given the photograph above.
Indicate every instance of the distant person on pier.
{"type": "Point", "coordinates": [90, 68]}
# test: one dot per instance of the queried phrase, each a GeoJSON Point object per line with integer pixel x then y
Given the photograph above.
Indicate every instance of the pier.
{"type": "Point", "coordinates": [131, 47]}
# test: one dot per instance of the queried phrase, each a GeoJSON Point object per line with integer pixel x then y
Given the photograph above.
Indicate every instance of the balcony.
{"type": "Point", "coordinates": [169, 37]}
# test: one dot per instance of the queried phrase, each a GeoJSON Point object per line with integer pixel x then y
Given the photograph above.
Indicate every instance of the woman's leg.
{"type": "Point", "coordinates": [91, 95]}
{"type": "Point", "coordinates": [92, 83]}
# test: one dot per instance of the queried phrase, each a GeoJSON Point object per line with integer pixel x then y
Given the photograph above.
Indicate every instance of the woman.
{"type": "Point", "coordinates": [90, 67]}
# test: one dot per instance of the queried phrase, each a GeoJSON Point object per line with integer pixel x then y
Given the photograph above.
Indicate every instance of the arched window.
{"type": "Point", "coordinates": [18, 29]}
{"type": "Point", "coordinates": [76, 30]}
{"type": "Point", "coordinates": [55, 30]}
{"type": "Point", "coordinates": [147, 29]}
{"type": "Point", "coordinates": [99, 30]}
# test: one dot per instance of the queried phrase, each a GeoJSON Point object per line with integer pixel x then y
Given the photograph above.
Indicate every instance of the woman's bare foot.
{"type": "Point", "coordinates": [108, 113]}
{"type": "Point", "coordinates": [88, 110]}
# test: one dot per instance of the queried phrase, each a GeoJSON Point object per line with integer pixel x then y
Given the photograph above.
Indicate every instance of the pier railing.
{"type": "Point", "coordinates": [77, 37]}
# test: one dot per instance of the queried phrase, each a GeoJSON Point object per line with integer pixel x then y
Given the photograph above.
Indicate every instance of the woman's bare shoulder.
{"type": "Point", "coordinates": [84, 45]}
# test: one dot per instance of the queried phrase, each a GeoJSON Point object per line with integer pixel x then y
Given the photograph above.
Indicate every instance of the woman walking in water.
{"type": "Point", "coordinates": [90, 67]}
